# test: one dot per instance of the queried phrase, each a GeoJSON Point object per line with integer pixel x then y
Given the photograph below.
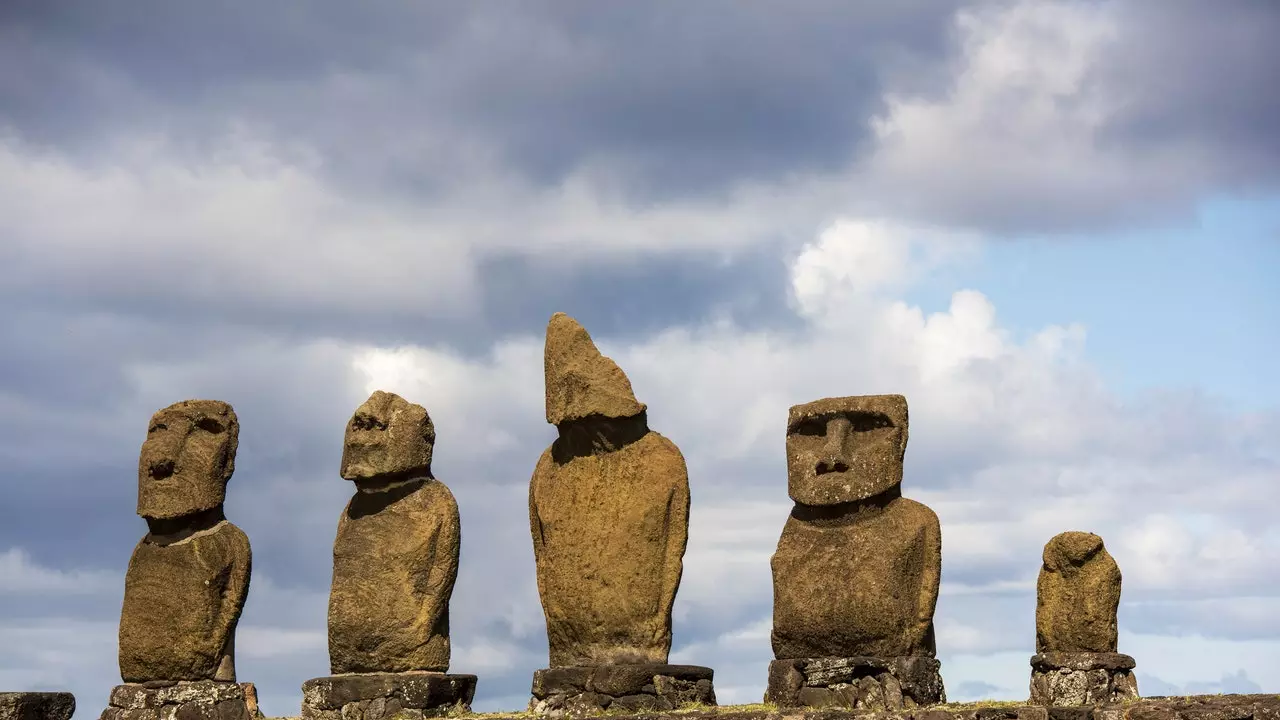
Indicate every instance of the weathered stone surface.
{"type": "Point", "coordinates": [189, 577]}
{"type": "Point", "coordinates": [1080, 679]}
{"type": "Point", "coordinates": [616, 680]}
{"type": "Point", "coordinates": [182, 603]}
{"type": "Point", "coordinates": [581, 691]}
{"type": "Point", "coordinates": [1077, 595]}
{"type": "Point", "coordinates": [608, 512]}
{"type": "Point", "coordinates": [411, 690]}
{"type": "Point", "coordinates": [395, 558]}
{"type": "Point", "coordinates": [387, 438]}
{"type": "Point", "coordinates": [1046, 662]}
{"type": "Point", "coordinates": [845, 449]}
{"type": "Point", "coordinates": [201, 700]}
{"type": "Point", "coordinates": [133, 696]}
{"type": "Point", "coordinates": [859, 682]}
{"type": "Point", "coordinates": [581, 382]}
{"type": "Point", "coordinates": [251, 699]}
{"type": "Point", "coordinates": [852, 543]}
{"type": "Point", "coordinates": [187, 458]}
{"type": "Point", "coordinates": [37, 705]}
{"type": "Point", "coordinates": [1207, 707]}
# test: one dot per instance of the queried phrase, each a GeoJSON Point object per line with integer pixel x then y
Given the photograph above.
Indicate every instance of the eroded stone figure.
{"type": "Point", "coordinates": [609, 515]}
{"type": "Point", "coordinates": [609, 512]}
{"type": "Point", "coordinates": [1077, 596]}
{"type": "Point", "coordinates": [395, 558]}
{"type": "Point", "coordinates": [857, 567]}
{"type": "Point", "coordinates": [189, 577]}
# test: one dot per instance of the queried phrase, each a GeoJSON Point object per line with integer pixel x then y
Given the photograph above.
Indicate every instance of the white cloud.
{"type": "Point", "coordinates": [1024, 137]}
{"type": "Point", "coordinates": [20, 575]}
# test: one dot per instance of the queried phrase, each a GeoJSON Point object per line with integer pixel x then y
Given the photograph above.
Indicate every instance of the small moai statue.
{"type": "Point", "coordinates": [1077, 596]}
{"type": "Point", "coordinates": [189, 576]}
{"type": "Point", "coordinates": [395, 561]}
{"type": "Point", "coordinates": [609, 515]}
{"type": "Point", "coordinates": [856, 572]}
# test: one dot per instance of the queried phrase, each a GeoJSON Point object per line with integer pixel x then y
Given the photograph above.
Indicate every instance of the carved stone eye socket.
{"type": "Point", "coordinates": [157, 427]}
{"type": "Point", "coordinates": [209, 425]}
{"type": "Point", "coordinates": [812, 427]}
{"type": "Point", "coordinates": [866, 422]}
{"type": "Point", "coordinates": [365, 422]}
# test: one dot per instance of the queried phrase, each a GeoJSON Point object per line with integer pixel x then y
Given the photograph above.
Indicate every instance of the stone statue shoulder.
{"type": "Point", "coordinates": [662, 457]}
{"type": "Point", "coordinates": [436, 496]}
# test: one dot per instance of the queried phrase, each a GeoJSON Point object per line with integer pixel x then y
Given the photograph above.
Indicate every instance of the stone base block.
{"type": "Point", "coordinates": [375, 696]}
{"type": "Point", "coordinates": [1077, 679]}
{"type": "Point", "coordinates": [36, 705]}
{"type": "Point", "coordinates": [856, 683]}
{"type": "Point", "coordinates": [580, 691]}
{"type": "Point", "coordinates": [180, 700]}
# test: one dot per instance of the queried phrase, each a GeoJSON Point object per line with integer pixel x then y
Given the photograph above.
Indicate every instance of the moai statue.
{"type": "Point", "coordinates": [609, 514]}
{"type": "Point", "coordinates": [188, 577]}
{"type": "Point", "coordinates": [395, 561]}
{"type": "Point", "coordinates": [856, 572]}
{"type": "Point", "coordinates": [1077, 596]}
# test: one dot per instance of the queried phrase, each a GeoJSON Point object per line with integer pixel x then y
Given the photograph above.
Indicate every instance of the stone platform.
{"type": "Point", "coordinates": [1196, 707]}
{"type": "Point", "coordinates": [37, 705]}
{"type": "Point", "coordinates": [1078, 679]}
{"type": "Point", "coordinates": [580, 691]}
{"type": "Point", "coordinates": [374, 696]}
{"type": "Point", "coordinates": [861, 683]}
{"type": "Point", "coordinates": [168, 700]}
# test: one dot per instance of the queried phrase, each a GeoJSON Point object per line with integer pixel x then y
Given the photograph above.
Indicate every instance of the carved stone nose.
{"type": "Point", "coordinates": [161, 469]}
{"type": "Point", "coordinates": [831, 466]}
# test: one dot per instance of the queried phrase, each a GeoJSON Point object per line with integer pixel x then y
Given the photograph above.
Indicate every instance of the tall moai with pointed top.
{"type": "Point", "coordinates": [609, 516]}
{"type": "Point", "coordinates": [188, 577]}
{"type": "Point", "coordinates": [395, 561]}
{"type": "Point", "coordinates": [856, 572]}
{"type": "Point", "coordinates": [1077, 598]}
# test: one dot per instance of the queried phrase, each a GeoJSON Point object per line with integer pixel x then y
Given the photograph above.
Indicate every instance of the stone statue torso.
{"type": "Point", "coordinates": [395, 561]}
{"type": "Point", "coordinates": [858, 587]}
{"type": "Point", "coordinates": [609, 535]}
{"type": "Point", "coordinates": [181, 605]}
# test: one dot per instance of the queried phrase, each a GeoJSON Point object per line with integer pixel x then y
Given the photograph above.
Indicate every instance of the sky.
{"type": "Point", "coordinates": [1053, 226]}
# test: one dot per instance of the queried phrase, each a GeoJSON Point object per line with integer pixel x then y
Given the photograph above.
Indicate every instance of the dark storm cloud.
{"type": "Point", "coordinates": [679, 98]}
{"type": "Point", "coordinates": [1202, 75]}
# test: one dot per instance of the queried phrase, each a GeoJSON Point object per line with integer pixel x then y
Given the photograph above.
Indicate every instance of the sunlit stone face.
{"type": "Point", "coordinates": [846, 449]}
{"type": "Point", "coordinates": [187, 458]}
{"type": "Point", "coordinates": [387, 438]}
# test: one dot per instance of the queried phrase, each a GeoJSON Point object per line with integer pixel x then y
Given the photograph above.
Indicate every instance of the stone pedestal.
{"type": "Point", "coordinates": [36, 705]}
{"type": "Point", "coordinates": [579, 691]}
{"type": "Point", "coordinates": [856, 682]}
{"type": "Point", "coordinates": [374, 696]}
{"type": "Point", "coordinates": [1075, 679]}
{"type": "Point", "coordinates": [170, 700]}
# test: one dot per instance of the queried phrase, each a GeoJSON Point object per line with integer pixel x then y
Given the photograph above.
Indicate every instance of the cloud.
{"type": "Point", "coordinates": [1237, 682]}
{"type": "Point", "coordinates": [19, 575]}
{"type": "Point", "coordinates": [1046, 121]}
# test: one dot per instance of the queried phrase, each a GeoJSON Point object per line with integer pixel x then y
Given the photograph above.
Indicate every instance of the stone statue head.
{"type": "Point", "coordinates": [845, 449]}
{"type": "Point", "coordinates": [1069, 551]}
{"type": "Point", "coordinates": [388, 438]}
{"type": "Point", "coordinates": [187, 459]}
